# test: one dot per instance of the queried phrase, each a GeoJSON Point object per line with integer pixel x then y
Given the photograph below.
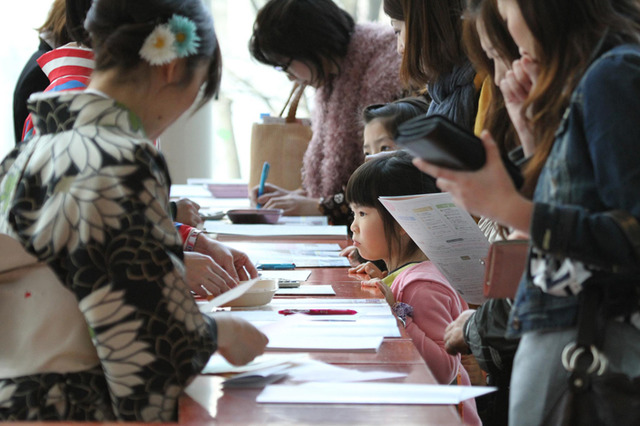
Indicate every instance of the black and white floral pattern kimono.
{"type": "Point", "coordinates": [96, 321]}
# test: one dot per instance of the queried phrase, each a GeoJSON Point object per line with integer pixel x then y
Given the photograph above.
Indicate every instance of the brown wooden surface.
{"type": "Point", "coordinates": [211, 404]}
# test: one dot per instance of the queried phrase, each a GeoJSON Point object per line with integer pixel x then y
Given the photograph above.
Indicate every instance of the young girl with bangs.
{"type": "Point", "coordinates": [417, 292]}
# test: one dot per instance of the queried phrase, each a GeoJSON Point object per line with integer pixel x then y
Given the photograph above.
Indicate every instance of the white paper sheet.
{"type": "Point", "coordinates": [295, 275]}
{"type": "Point", "coordinates": [274, 231]}
{"type": "Point", "coordinates": [309, 370]}
{"type": "Point", "coordinates": [189, 191]}
{"type": "Point", "coordinates": [369, 393]}
{"type": "Point", "coordinates": [304, 220]}
{"type": "Point", "coordinates": [300, 342]}
{"type": "Point", "coordinates": [297, 368]}
{"type": "Point", "coordinates": [228, 296]}
{"type": "Point", "coordinates": [448, 235]}
{"type": "Point", "coordinates": [303, 255]}
{"type": "Point", "coordinates": [308, 290]}
{"type": "Point", "coordinates": [218, 365]}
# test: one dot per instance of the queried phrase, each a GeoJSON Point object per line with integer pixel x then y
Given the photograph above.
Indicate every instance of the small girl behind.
{"type": "Point", "coordinates": [419, 294]}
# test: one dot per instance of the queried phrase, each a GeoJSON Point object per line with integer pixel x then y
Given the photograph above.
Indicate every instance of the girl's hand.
{"type": "Point", "coordinates": [386, 291]}
{"type": "Point", "coordinates": [488, 192]}
{"type": "Point", "coordinates": [351, 253]}
{"type": "Point", "coordinates": [515, 87]}
{"type": "Point", "coordinates": [370, 269]}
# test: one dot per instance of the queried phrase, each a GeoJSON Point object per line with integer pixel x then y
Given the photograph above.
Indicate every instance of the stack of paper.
{"type": "Point", "coordinates": [270, 232]}
{"type": "Point", "coordinates": [363, 331]}
{"type": "Point", "coordinates": [301, 254]}
{"type": "Point", "coordinates": [370, 393]}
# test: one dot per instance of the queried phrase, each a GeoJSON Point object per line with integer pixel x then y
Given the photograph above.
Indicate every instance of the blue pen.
{"type": "Point", "coordinates": [276, 266]}
{"type": "Point", "coordinates": [263, 179]}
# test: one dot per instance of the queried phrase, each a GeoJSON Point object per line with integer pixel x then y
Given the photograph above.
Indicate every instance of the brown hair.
{"type": "Point", "coordinates": [433, 44]}
{"type": "Point", "coordinates": [497, 119]}
{"type": "Point", "coordinates": [56, 24]}
{"type": "Point", "coordinates": [566, 33]}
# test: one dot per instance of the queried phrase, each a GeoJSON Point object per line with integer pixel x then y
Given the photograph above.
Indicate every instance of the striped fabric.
{"type": "Point", "coordinates": [68, 67]}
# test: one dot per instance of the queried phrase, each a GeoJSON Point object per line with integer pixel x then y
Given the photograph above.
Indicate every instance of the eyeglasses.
{"type": "Point", "coordinates": [284, 68]}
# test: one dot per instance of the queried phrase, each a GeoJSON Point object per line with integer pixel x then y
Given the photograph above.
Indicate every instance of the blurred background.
{"type": "Point", "coordinates": [214, 142]}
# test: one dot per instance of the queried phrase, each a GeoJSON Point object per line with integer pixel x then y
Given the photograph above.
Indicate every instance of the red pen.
{"type": "Point", "coordinates": [318, 311]}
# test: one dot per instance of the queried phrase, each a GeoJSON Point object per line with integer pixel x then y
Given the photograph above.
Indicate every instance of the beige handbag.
{"type": "Point", "coordinates": [281, 144]}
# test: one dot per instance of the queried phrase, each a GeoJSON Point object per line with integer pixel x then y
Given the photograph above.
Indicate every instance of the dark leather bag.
{"type": "Point", "coordinates": [598, 396]}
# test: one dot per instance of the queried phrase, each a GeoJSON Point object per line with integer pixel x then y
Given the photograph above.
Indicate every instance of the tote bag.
{"type": "Point", "coordinates": [281, 144]}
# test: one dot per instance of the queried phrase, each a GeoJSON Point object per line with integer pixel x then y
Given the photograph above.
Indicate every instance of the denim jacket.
{"type": "Point", "coordinates": [593, 168]}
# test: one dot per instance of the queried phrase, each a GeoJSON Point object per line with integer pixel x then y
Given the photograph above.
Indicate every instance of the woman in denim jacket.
{"type": "Point", "coordinates": [579, 86]}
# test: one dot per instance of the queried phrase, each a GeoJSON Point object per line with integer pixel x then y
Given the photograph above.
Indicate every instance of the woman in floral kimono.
{"type": "Point", "coordinates": [96, 320]}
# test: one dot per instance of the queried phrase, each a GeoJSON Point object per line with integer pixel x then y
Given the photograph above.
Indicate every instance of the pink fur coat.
{"type": "Point", "coordinates": [369, 74]}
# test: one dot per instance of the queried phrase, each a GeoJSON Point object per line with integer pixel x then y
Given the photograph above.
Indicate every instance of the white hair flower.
{"type": "Point", "coordinates": [159, 46]}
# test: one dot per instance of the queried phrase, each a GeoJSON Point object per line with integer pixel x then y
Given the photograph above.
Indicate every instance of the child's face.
{"type": "Point", "coordinates": [368, 233]}
{"type": "Point", "coordinates": [376, 138]}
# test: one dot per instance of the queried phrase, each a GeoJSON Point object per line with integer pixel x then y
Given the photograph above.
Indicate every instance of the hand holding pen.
{"type": "Point", "coordinates": [263, 180]}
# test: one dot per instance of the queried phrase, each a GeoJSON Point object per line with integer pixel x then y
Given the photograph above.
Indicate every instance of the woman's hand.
{"type": "Point", "coordinates": [370, 269]}
{"type": "Point", "coordinates": [202, 272]}
{"type": "Point", "coordinates": [236, 263]}
{"type": "Point", "coordinates": [294, 204]}
{"type": "Point", "coordinates": [515, 87]}
{"type": "Point", "coordinates": [488, 192]}
{"type": "Point", "coordinates": [386, 291]}
{"type": "Point", "coordinates": [454, 334]}
{"type": "Point", "coordinates": [187, 212]}
{"type": "Point", "coordinates": [270, 191]}
{"type": "Point", "coordinates": [239, 342]}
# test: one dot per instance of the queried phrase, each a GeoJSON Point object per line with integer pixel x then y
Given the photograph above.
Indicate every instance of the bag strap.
{"type": "Point", "coordinates": [292, 101]}
{"type": "Point", "coordinates": [583, 356]}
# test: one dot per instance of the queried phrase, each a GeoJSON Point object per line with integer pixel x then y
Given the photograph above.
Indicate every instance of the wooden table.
{"type": "Point", "coordinates": [215, 406]}
{"type": "Point", "coordinates": [239, 406]}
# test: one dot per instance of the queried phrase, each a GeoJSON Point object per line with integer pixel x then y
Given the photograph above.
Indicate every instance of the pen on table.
{"type": "Point", "coordinates": [263, 180]}
{"type": "Point", "coordinates": [318, 311]}
{"type": "Point", "coordinates": [275, 266]}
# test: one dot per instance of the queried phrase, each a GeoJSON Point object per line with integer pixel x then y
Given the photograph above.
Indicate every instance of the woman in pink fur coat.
{"type": "Point", "coordinates": [318, 44]}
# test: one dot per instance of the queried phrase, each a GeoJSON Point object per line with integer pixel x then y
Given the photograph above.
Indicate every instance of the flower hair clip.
{"type": "Point", "coordinates": [175, 39]}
